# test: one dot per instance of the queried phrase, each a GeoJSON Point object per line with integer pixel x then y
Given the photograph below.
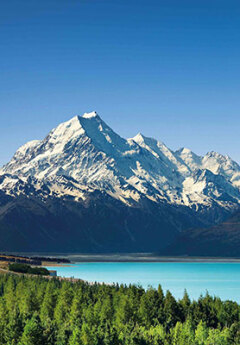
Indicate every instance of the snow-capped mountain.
{"type": "Point", "coordinates": [84, 156]}
{"type": "Point", "coordinates": [89, 152]}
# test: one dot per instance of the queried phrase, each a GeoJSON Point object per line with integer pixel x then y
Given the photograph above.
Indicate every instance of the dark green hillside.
{"type": "Point", "coordinates": [219, 240]}
{"type": "Point", "coordinates": [39, 311]}
{"type": "Point", "coordinates": [100, 224]}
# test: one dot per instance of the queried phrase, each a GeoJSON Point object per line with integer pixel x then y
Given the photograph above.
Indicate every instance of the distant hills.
{"type": "Point", "coordinates": [219, 240]}
{"type": "Point", "coordinates": [84, 188]}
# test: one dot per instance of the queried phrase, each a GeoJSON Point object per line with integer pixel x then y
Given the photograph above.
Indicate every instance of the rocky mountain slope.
{"type": "Point", "coordinates": [85, 188]}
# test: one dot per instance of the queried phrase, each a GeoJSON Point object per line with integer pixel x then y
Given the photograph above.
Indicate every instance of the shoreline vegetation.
{"type": "Point", "coordinates": [33, 260]}
{"type": "Point", "coordinates": [25, 268]}
{"type": "Point", "coordinates": [37, 310]}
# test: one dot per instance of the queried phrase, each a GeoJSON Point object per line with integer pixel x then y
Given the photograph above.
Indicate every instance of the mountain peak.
{"type": "Point", "coordinates": [90, 115]}
{"type": "Point", "coordinates": [87, 149]}
{"type": "Point", "coordinates": [83, 175]}
{"type": "Point", "coordinates": [184, 150]}
{"type": "Point", "coordinates": [75, 126]}
{"type": "Point", "coordinates": [139, 137]}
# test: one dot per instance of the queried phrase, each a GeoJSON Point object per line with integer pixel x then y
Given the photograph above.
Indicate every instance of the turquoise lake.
{"type": "Point", "coordinates": [219, 279]}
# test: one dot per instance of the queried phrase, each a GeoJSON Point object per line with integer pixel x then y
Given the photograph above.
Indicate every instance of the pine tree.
{"type": "Point", "coordinates": [14, 328]}
{"type": "Point", "coordinates": [33, 332]}
{"type": "Point", "coordinates": [171, 310]}
{"type": "Point", "coordinates": [149, 307]}
{"type": "Point", "coordinates": [201, 333]}
{"type": "Point", "coordinates": [75, 338]}
{"type": "Point", "coordinates": [49, 302]}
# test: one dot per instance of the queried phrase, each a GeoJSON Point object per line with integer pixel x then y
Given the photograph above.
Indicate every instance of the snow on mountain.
{"type": "Point", "coordinates": [192, 161]}
{"type": "Point", "coordinates": [84, 154]}
{"type": "Point", "coordinates": [222, 165]}
{"type": "Point", "coordinates": [162, 153]}
{"type": "Point", "coordinates": [204, 187]}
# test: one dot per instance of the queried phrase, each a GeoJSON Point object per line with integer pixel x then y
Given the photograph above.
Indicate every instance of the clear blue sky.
{"type": "Point", "coordinates": [169, 69]}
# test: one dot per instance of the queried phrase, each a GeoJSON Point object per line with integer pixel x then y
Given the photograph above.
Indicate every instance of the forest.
{"type": "Point", "coordinates": [40, 311]}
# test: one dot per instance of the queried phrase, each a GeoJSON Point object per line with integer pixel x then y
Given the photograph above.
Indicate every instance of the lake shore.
{"type": "Point", "coordinates": [144, 258]}
{"type": "Point", "coordinates": [141, 258]}
{"type": "Point", "coordinates": [125, 257]}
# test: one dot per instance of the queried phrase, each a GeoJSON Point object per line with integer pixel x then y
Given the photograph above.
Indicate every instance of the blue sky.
{"type": "Point", "coordinates": [169, 69]}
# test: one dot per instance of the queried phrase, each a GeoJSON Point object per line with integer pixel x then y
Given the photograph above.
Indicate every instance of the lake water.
{"type": "Point", "coordinates": [219, 279]}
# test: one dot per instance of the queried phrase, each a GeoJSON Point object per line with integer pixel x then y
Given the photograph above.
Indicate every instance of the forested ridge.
{"type": "Point", "coordinates": [40, 311]}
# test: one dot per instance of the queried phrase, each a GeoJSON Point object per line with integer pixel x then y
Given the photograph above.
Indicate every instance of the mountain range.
{"type": "Point", "coordinates": [84, 188]}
